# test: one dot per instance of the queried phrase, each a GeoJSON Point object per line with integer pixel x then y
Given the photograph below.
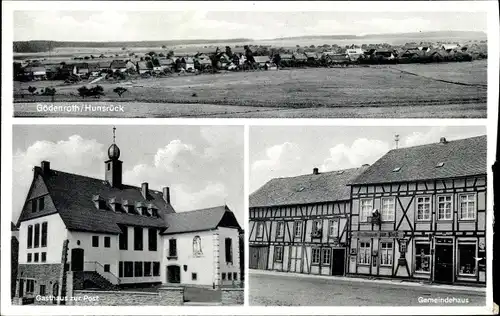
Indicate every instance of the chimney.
{"type": "Point", "coordinates": [144, 190]}
{"type": "Point", "coordinates": [443, 140]}
{"type": "Point", "coordinates": [45, 167]}
{"type": "Point", "coordinates": [166, 194]}
{"type": "Point", "coordinates": [315, 171]}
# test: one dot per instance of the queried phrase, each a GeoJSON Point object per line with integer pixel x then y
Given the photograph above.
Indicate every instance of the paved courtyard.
{"type": "Point", "coordinates": [289, 289]}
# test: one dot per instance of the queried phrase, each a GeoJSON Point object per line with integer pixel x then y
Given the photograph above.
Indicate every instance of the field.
{"type": "Point", "coordinates": [410, 90]}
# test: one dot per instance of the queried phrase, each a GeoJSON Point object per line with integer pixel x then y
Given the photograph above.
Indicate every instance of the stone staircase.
{"type": "Point", "coordinates": [92, 280]}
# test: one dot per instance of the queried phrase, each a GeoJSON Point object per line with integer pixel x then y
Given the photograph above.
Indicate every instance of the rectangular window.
{"type": "Point", "coordinates": [278, 253]}
{"type": "Point", "coordinates": [194, 276]}
{"type": "Point", "coordinates": [30, 236]}
{"type": "Point", "coordinates": [467, 264]}
{"type": "Point", "coordinates": [156, 268]}
{"type": "Point", "coordinates": [422, 257]}
{"type": "Point", "coordinates": [129, 269]}
{"type": "Point", "coordinates": [42, 289]}
{"type": "Point", "coordinates": [366, 207]}
{"type": "Point", "coordinates": [260, 229]}
{"type": "Point", "coordinates": [326, 256]}
{"type": "Point", "coordinates": [388, 209]}
{"type": "Point", "coordinates": [280, 229]}
{"type": "Point", "coordinates": [95, 241]}
{"type": "Point", "coordinates": [29, 257]}
{"type": "Point", "coordinates": [123, 238]}
{"type": "Point", "coordinates": [107, 242]}
{"type": "Point", "coordinates": [138, 269]}
{"type": "Point", "coordinates": [172, 248]}
{"type": "Point", "coordinates": [120, 269]}
{"type": "Point", "coordinates": [297, 229]}
{"type": "Point", "coordinates": [235, 275]}
{"type": "Point", "coordinates": [147, 268]}
{"type": "Point", "coordinates": [386, 254]}
{"type": "Point", "coordinates": [44, 234]}
{"type": "Point", "coordinates": [152, 239]}
{"type": "Point", "coordinates": [107, 267]}
{"type": "Point", "coordinates": [229, 250]}
{"type": "Point", "coordinates": [423, 208]}
{"type": "Point", "coordinates": [444, 207]}
{"type": "Point", "coordinates": [467, 207]}
{"type": "Point", "coordinates": [44, 256]}
{"type": "Point", "coordinates": [36, 257]}
{"type": "Point", "coordinates": [333, 230]}
{"type": "Point", "coordinates": [364, 253]}
{"type": "Point", "coordinates": [137, 238]}
{"type": "Point", "coordinates": [37, 236]}
{"type": "Point", "coordinates": [316, 227]}
{"type": "Point", "coordinates": [316, 255]}
{"type": "Point", "coordinates": [223, 276]}
{"type": "Point", "coordinates": [41, 203]}
{"type": "Point", "coordinates": [229, 276]}
{"type": "Point", "coordinates": [30, 286]}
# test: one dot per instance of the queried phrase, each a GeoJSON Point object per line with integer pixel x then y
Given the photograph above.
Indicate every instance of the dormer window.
{"type": "Point", "coordinates": [397, 169]}
{"type": "Point", "coordinates": [128, 206]}
{"type": "Point", "coordinates": [154, 212]}
{"type": "Point", "coordinates": [99, 202]}
{"type": "Point", "coordinates": [141, 208]}
{"type": "Point", "coordinates": [115, 206]}
{"type": "Point", "coordinates": [440, 164]}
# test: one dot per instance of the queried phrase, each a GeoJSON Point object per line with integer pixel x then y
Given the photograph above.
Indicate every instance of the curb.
{"type": "Point", "coordinates": [358, 279]}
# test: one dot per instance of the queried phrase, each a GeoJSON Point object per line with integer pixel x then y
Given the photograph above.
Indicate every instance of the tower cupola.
{"type": "Point", "coordinates": [113, 166]}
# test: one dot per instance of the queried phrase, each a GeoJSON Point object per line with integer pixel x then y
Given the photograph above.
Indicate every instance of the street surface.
{"type": "Point", "coordinates": [283, 290]}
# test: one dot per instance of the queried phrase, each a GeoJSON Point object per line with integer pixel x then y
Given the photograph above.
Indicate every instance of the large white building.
{"type": "Point", "coordinates": [112, 235]}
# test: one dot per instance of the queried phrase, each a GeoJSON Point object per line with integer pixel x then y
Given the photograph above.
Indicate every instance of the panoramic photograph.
{"type": "Point", "coordinates": [367, 216]}
{"type": "Point", "coordinates": [250, 64]}
{"type": "Point", "coordinates": [116, 216]}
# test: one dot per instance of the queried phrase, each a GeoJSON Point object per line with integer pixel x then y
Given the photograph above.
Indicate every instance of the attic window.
{"type": "Point", "coordinates": [396, 169]}
{"type": "Point", "coordinates": [439, 165]}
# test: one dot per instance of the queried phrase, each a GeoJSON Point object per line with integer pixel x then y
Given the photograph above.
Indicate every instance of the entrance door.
{"type": "Point", "coordinates": [258, 257]}
{"type": "Point", "coordinates": [338, 261]}
{"type": "Point", "coordinates": [296, 259]}
{"type": "Point", "coordinates": [76, 259]}
{"type": "Point", "coordinates": [21, 287]}
{"type": "Point", "coordinates": [173, 274]}
{"type": "Point", "coordinates": [55, 292]}
{"type": "Point", "coordinates": [443, 270]}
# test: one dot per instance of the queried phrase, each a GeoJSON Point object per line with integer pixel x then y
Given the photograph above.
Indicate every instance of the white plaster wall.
{"type": "Point", "coordinates": [56, 234]}
{"type": "Point", "coordinates": [202, 265]}
{"type": "Point", "coordinates": [225, 267]}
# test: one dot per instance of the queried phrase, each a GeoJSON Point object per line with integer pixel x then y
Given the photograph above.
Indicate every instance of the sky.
{"type": "Point", "coordinates": [284, 151]}
{"type": "Point", "coordinates": [202, 165]}
{"type": "Point", "coordinates": [164, 25]}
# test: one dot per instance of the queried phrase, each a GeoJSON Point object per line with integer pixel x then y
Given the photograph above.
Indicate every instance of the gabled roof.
{"type": "Point", "coordinates": [73, 194]}
{"type": "Point", "coordinates": [305, 189]}
{"type": "Point", "coordinates": [200, 220]}
{"type": "Point", "coordinates": [464, 157]}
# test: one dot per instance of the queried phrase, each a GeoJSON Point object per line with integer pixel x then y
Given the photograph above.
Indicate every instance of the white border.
{"type": "Point", "coordinates": [491, 7]}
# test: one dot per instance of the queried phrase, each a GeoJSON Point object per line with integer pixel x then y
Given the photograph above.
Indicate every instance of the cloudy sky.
{"type": "Point", "coordinates": [161, 25]}
{"type": "Point", "coordinates": [283, 151]}
{"type": "Point", "coordinates": [202, 165]}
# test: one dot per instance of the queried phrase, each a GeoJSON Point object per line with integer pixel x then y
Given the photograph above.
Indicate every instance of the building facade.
{"type": "Point", "coordinates": [420, 213]}
{"type": "Point", "coordinates": [300, 224]}
{"type": "Point", "coordinates": [113, 235]}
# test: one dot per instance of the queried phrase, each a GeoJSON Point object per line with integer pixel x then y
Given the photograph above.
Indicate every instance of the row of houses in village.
{"type": "Point", "coordinates": [204, 62]}
{"type": "Point", "coordinates": [417, 213]}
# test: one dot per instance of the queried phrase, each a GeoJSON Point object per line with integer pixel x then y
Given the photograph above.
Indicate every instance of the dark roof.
{"type": "Point", "coordinates": [305, 189]}
{"type": "Point", "coordinates": [72, 196]}
{"type": "Point", "coordinates": [13, 227]}
{"type": "Point", "coordinates": [464, 157]}
{"type": "Point", "coordinates": [118, 64]}
{"type": "Point", "coordinates": [200, 220]}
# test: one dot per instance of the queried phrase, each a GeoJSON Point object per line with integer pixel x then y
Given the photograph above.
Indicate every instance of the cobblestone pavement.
{"type": "Point", "coordinates": [282, 290]}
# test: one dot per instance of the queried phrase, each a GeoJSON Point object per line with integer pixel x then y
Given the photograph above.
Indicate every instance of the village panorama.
{"type": "Point", "coordinates": [426, 74]}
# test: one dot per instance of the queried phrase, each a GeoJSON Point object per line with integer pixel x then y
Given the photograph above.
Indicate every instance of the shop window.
{"type": "Point", "coordinates": [423, 208]}
{"type": "Point", "coordinates": [364, 253]}
{"type": "Point", "coordinates": [326, 256]}
{"type": "Point", "coordinates": [386, 253]}
{"type": "Point", "coordinates": [444, 207]}
{"type": "Point", "coordinates": [316, 255]}
{"type": "Point", "coordinates": [278, 253]}
{"type": "Point", "coordinates": [466, 258]}
{"type": "Point", "coordinates": [422, 257]}
{"type": "Point", "coordinates": [388, 209]}
{"type": "Point", "coordinates": [467, 207]}
{"type": "Point", "coordinates": [366, 207]}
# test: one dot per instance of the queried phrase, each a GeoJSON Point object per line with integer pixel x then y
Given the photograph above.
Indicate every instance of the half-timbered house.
{"type": "Point", "coordinates": [300, 224]}
{"type": "Point", "coordinates": [419, 213]}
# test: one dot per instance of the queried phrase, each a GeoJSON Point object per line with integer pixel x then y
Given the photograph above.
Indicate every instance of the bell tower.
{"type": "Point", "coordinates": [113, 166]}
